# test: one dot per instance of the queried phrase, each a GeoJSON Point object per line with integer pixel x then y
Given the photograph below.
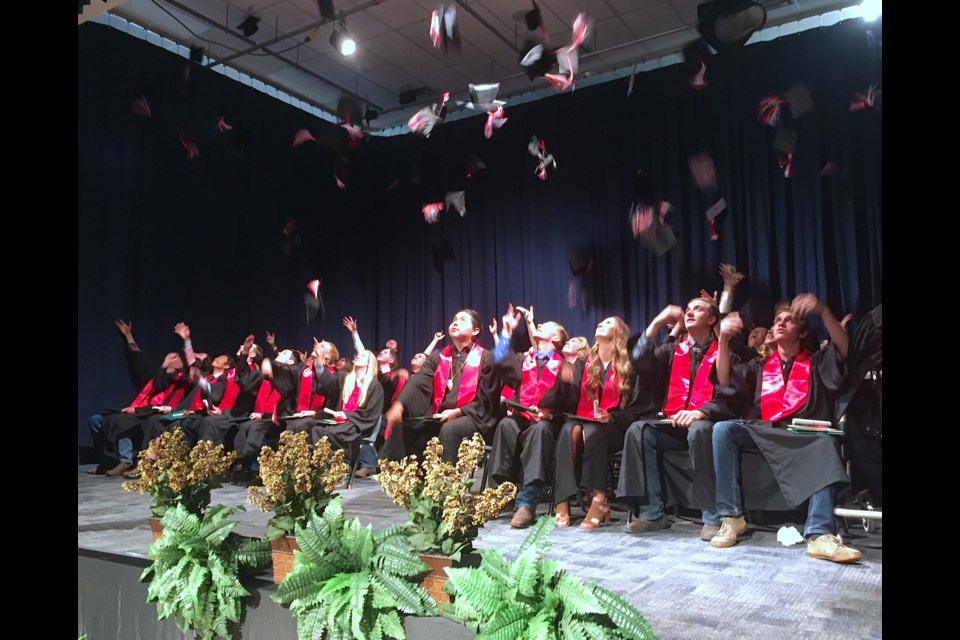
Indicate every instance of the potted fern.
{"type": "Point", "coordinates": [351, 582]}
{"type": "Point", "coordinates": [197, 567]}
{"type": "Point", "coordinates": [298, 481]}
{"type": "Point", "coordinates": [444, 515]}
{"type": "Point", "coordinates": [176, 475]}
{"type": "Point", "coordinates": [532, 597]}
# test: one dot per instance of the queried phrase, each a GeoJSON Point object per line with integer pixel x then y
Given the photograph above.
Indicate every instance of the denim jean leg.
{"type": "Point", "coordinates": [820, 513]}
{"type": "Point", "coordinates": [125, 450]}
{"type": "Point", "coordinates": [529, 496]}
{"type": "Point", "coordinates": [727, 438]}
{"type": "Point", "coordinates": [653, 509]}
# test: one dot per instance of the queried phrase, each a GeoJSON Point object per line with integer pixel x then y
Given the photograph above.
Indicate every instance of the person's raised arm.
{"type": "Point", "coordinates": [731, 278]}
{"type": "Point", "coordinates": [271, 339]}
{"type": "Point", "coordinates": [437, 337]}
{"type": "Point", "coordinates": [509, 322]}
{"type": "Point", "coordinates": [126, 329]}
{"type": "Point", "coordinates": [730, 326]}
{"type": "Point", "coordinates": [351, 326]}
{"type": "Point", "coordinates": [182, 330]}
{"type": "Point", "coordinates": [807, 303]}
{"type": "Point", "coordinates": [492, 328]}
{"type": "Point", "coordinates": [528, 317]}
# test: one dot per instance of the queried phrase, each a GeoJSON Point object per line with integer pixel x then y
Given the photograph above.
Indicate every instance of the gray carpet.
{"type": "Point", "coordinates": [684, 587]}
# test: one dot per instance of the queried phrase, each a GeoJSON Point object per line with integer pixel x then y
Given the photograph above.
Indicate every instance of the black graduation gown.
{"type": "Point", "coordinates": [359, 423]}
{"type": "Point", "coordinates": [479, 415]}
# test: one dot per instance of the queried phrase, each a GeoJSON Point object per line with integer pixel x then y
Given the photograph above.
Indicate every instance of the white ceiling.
{"type": "Point", "coordinates": [395, 53]}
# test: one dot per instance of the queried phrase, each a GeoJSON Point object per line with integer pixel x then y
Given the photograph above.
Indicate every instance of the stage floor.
{"type": "Point", "coordinates": [684, 587]}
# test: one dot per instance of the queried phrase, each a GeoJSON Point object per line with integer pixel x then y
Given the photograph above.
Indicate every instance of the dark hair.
{"type": "Point", "coordinates": [474, 317]}
{"type": "Point", "coordinates": [393, 354]}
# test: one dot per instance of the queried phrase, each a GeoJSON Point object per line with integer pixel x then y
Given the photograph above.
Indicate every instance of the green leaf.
{"type": "Point", "coordinates": [508, 624]}
{"type": "Point", "coordinates": [391, 625]}
{"type": "Point", "coordinates": [628, 620]}
{"type": "Point", "coordinates": [577, 597]}
{"type": "Point", "coordinates": [303, 582]}
{"type": "Point", "coordinates": [408, 597]}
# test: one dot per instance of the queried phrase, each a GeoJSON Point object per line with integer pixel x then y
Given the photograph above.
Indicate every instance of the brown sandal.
{"type": "Point", "coordinates": [598, 515]}
{"type": "Point", "coordinates": [562, 514]}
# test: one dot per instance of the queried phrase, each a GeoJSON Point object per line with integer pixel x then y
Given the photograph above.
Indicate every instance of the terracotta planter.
{"type": "Point", "coordinates": [156, 528]}
{"type": "Point", "coordinates": [281, 551]}
{"type": "Point", "coordinates": [434, 581]}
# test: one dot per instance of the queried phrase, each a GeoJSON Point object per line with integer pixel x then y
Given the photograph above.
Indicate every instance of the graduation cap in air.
{"type": "Point", "coordinates": [474, 165]}
{"type": "Point", "coordinates": [870, 98]}
{"type": "Point", "coordinates": [533, 18]}
{"type": "Point", "coordinates": [648, 218]}
{"type": "Point", "coordinates": [785, 141]}
{"type": "Point", "coordinates": [770, 110]}
{"type": "Point", "coordinates": [456, 201]}
{"type": "Point", "coordinates": [695, 58]}
{"type": "Point", "coordinates": [580, 261]}
{"type": "Point", "coordinates": [483, 97]}
{"type": "Point", "coordinates": [443, 28]}
{"type": "Point", "coordinates": [538, 149]}
{"type": "Point", "coordinates": [313, 301]}
{"type": "Point", "coordinates": [424, 121]}
{"type": "Point", "coordinates": [704, 174]}
{"type": "Point", "coordinates": [350, 114]}
{"type": "Point", "coordinates": [536, 59]}
{"type": "Point", "coordinates": [568, 60]}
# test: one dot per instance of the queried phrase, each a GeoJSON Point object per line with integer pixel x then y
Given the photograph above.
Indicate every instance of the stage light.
{"type": "Point", "coordinates": [726, 25]}
{"type": "Point", "coordinates": [870, 10]}
{"type": "Point", "coordinates": [341, 39]}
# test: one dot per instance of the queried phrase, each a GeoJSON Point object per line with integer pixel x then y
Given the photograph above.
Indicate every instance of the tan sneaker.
{"type": "Point", "coordinates": [639, 525]}
{"type": "Point", "coordinates": [828, 547]}
{"type": "Point", "coordinates": [730, 531]}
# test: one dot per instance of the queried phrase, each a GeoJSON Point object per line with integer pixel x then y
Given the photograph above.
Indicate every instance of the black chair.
{"type": "Point", "coordinates": [369, 440]}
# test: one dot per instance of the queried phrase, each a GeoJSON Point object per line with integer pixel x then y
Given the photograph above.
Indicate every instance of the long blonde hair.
{"type": "Point", "coordinates": [621, 363]}
{"type": "Point", "coordinates": [350, 382]}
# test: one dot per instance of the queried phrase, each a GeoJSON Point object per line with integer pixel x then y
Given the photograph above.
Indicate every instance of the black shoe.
{"type": "Point", "coordinates": [243, 475]}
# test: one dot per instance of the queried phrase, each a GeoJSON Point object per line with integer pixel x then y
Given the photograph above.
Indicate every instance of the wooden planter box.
{"type": "Point", "coordinates": [434, 581]}
{"type": "Point", "coordinates": [281, 551]}
{"type": "Point", "coordinates": [156, 528]}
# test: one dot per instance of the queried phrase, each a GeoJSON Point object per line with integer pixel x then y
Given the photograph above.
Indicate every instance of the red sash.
{"type": "Point", "coordinates": [352, 403]}
{"type": "Point", "coordinates": [396, 392]}
{"type": "Point", "coordinates": [307, 400]}
{"type": "Point", "coordinates": [197, 403]}
{"type": "Point", "coordinates": [150, 397]}
{"type": "Point", "coordinates": [231, 392]}
{"type": "Point", "coordinates": [609, 396]}
{"type": "Point", "coordinates": [532, 389]}
{"type": "Point", "coordinates": [267, 399]}
{"type": "Point", "coordinates": [507, 392]}
{"type": "Point", "coordinates": [779, 400]}
{"type": "Point", "coordinates": [469, 376]}
{"type": "Point", "coordinates": [175, 391]}
{"type": "Point", "coordinates": [679, 388]}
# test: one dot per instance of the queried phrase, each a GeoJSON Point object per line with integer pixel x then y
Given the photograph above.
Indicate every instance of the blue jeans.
{"type": "Point", "coordinates": [529, 495]}
{"type": "Point", "coordinates": [729, 439]}
{"type": "Point", "coordinates": [124, 445]}
{"type": "Point", "coordinates": [653, 509]}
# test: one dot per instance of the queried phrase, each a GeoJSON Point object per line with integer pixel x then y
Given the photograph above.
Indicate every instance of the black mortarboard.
{"type": "Point", "coordinates": [536, 59]}
{"type": "Point", "coordinates": [533, 18]}
{"type": "Point", "coordinates": [785, 140]}
{"type": "Point", "coordinates": [799, 98]}
{"type": "Point", "coordinates": [313, 302]}
{"type": "Point", "coordinates": [659, 238]}
{"type": "Point", "coordinates": [449, 31]}
{"type": "Point", "coordinates": [326, 9]}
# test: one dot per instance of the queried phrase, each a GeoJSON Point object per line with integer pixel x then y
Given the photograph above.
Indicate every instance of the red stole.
{"type": "Point", "coordinates": [150, 397]}
{"type": "Point", "coordinates": [779, 400]}
{"type": "Point", "coordinates": [532, 389]}
{"type": "Point", "coordinates": [507, 392]}
{"type": "Point", "coordinates": [197, 403]}
{"type": "Point", "coordinates": [231, 392]}
{"type": "Point", "coordinates": [396, 392]}
{"type": "Point", "coordinates": [352, 403]}
{"type": "Point", "coordinates": [679, 388]}
{"type": "Point", "coordinates": [307, 400]}
{"type": "Point", "coordinates": [469, 376]}
{"type": "Point", "coordinates": [267, 399]}
{"type": "Point", "coordinates": [610, 393]}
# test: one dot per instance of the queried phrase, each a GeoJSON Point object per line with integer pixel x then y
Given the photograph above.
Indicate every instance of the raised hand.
{"type": "Point", "coordinates": [670, 313]}
{"type": "Point", "coordinates": [804, 304]}
{"type": "Point", "coordinates": [493, 326]}
{"type": "Point", "coordinates": [350, 324]}
{"type": "Point", "coordinates": [439, 335]}
{"type": "Point", "coordinates": [731, 325]}
{"type": "Point", "coordinates": [124, 328]}
{"type": "Point", "coordinates": [271, 339]}
{"type": "Point", "coordinates": [731, 277]}
{"type": "Point", "coordinates": [706, 294]}
{"type": "Point", "coordinates": [182, 330]}
{"type": "Point", "coordinates": [846, 319]}
{"type": "Point", "coordinates": [510, 320]}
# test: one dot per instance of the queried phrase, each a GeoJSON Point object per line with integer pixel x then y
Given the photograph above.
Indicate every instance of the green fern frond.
{"type": "Point", "coordinates": [408, 597]}
{"type": "Point", "coordinates": [496, 566]}
{"type": "Point", "coordinates": [577, 597]}
{"type": "Point", "coordinates": [359, 587]}
{"type": "Point", "coordinates": [508, 624]}
{"type": "Point", "coordinates": [381, 536]}
{"type": "Point", "coordinates": [538, 538]}
{"type": "Point", "coordinates": [395, 557]}
{"type": "Point", "coordinates": [475, 587]}
{"type": "Point", "coordinates": [253, 553]}
{"type": "Point", "coordinates": [333, 514]}
{"type": "Point", "coordinates": [303, 582]}
{"type": "Point", "coordinates": [392, 626]}
{"type": "Point", "coordinates": [312, 625]}
{"type": "Point", "coordinates": [628, 620]}
{"type": "Point", "coordinates": [526, 571]}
